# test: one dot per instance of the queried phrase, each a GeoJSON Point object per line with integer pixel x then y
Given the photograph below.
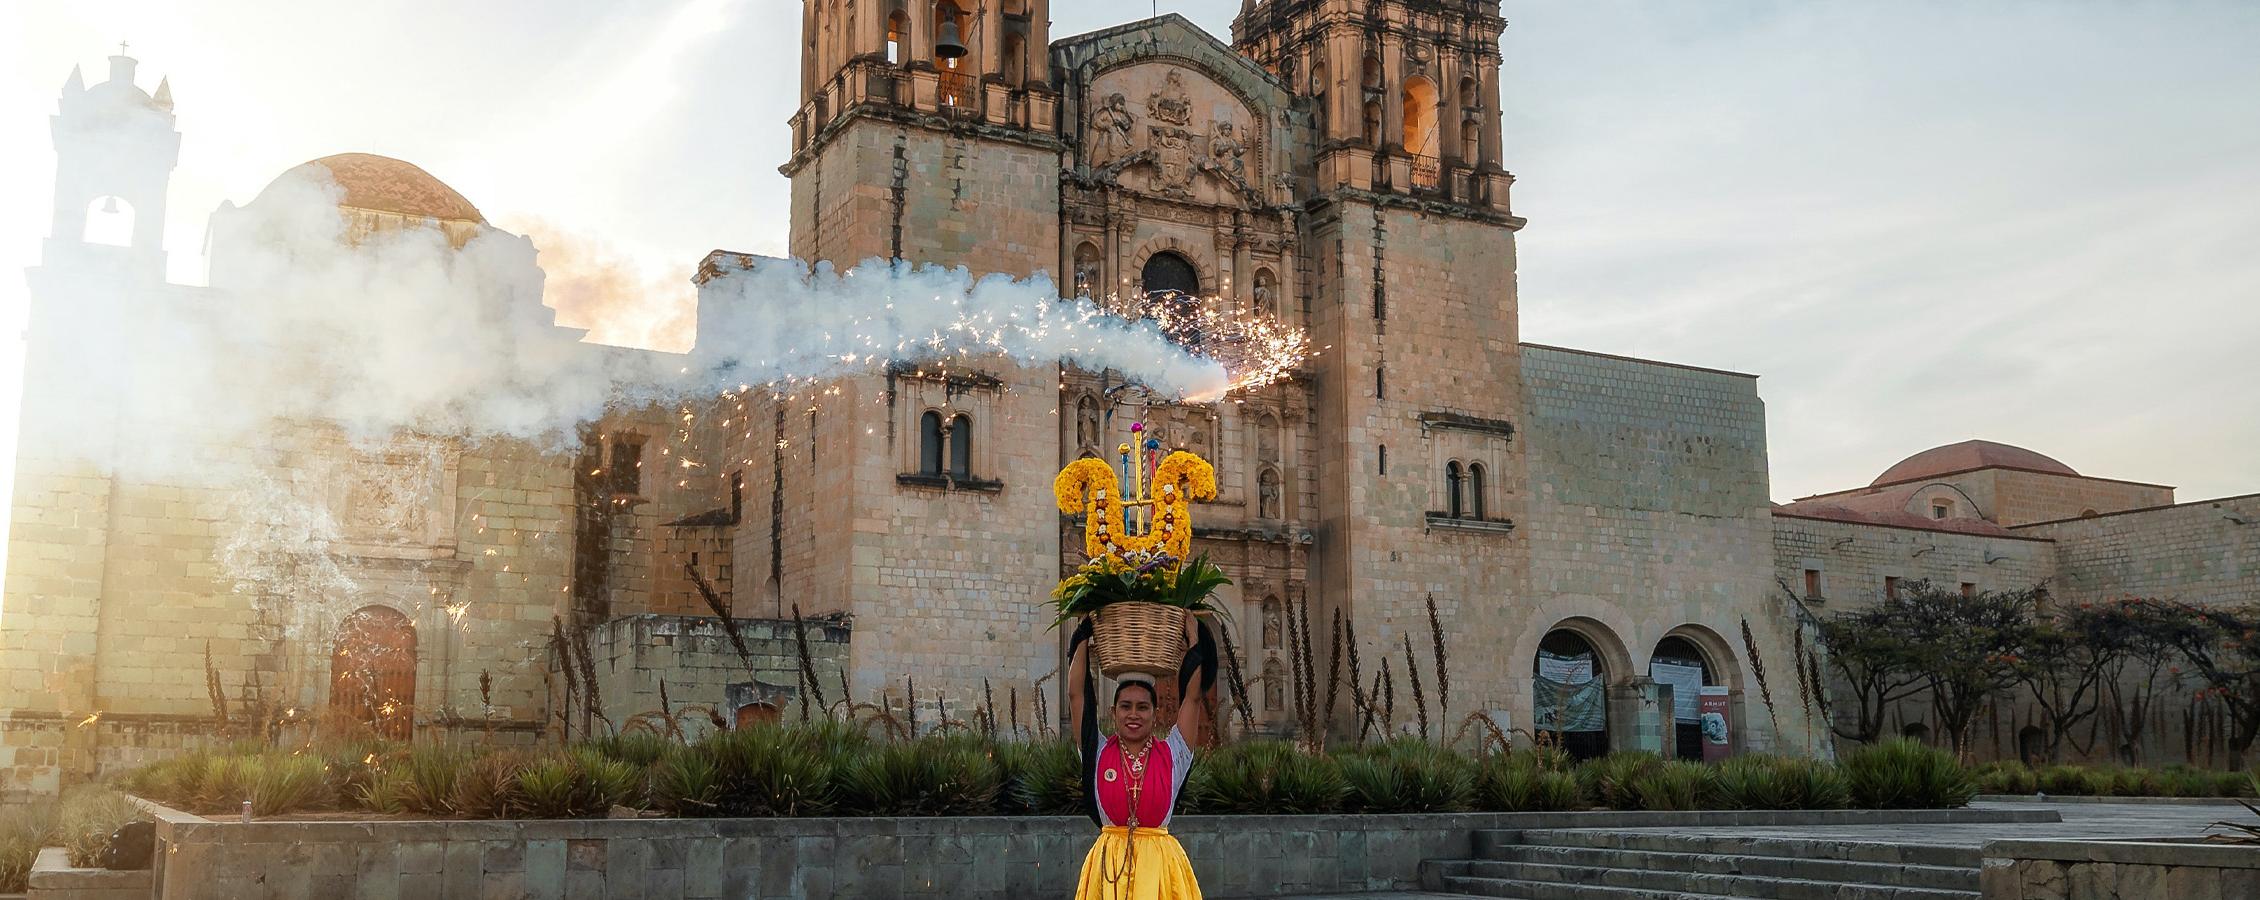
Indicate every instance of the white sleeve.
{"type": "Point", "coordinates": [1181, 754]}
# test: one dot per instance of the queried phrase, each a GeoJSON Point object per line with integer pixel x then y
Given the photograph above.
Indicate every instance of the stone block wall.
{"type": "Point", "coordinates": [2075, 870]}
{"type": "Point", "coordinates": [702, 670]}
{"type": "Point", "coordinates": [1853, 560]}
{"type": "Point", "coordinates": [2021, 497]}
{"type": "Point", "coordinates": [2196, 552]}
{"type": "Point", "coordinates": [249, 554]}
{"type": "Point", "coordinates": [1649, 517]}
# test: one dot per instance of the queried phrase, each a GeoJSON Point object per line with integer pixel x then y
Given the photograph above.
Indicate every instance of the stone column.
{"type": "Point", "coordinates": [991, 46]}
{"type": "Point", "coordinates": [1636, 715]}
{"type": "Point", "coordinates": [921, 49]}
{"type": "Point", "coordinates": [1392, 94]}
{"type": "Point", "coordinates": [1490, 114]}
{"type": "Point", "coordinates": [1448, 116]}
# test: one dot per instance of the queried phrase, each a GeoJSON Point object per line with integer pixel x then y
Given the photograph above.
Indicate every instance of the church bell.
{"type": "Point", "coordinates": [949, 45]}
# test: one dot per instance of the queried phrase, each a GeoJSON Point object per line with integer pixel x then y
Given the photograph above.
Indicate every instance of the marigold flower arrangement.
{"type": "Point", "coordinates": [1148, 570]}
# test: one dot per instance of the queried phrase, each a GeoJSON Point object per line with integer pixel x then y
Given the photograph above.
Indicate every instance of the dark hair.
{"type": "Point", "coordinates": [1121, 686]}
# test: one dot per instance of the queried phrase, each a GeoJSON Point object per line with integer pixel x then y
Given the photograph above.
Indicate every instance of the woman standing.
{"type": "Point", "coordinates": [1131, 780]}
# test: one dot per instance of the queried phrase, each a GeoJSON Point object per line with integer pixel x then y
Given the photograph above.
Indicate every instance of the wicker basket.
{"type": "Point", "coordinates": [1139, 637]}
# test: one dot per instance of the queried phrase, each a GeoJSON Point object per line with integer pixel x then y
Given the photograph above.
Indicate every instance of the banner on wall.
{"type": "Point", "coordinates": [1717, 743]}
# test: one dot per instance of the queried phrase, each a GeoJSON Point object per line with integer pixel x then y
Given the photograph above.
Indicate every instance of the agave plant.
{"type": "Point", "coordinates": [937, 776]}
{"type": "Point", "coordinates": [1610, 780]}
{"type": "Point", "coordinates": [278, 784]}
{"type": "Point", "coordinates": [1267, 777]}
{"type": "Point", "coordinates": [768, 770]}
{"type": "Point", "coordinates": [1042, 778]}
{"type": "Point", "coordinates": [1510, 784]}
{"type": "Point", "coordinates": [1905, 774]}
{"type": "Point", "coordinates": [1674, 785]}
{"type": "Point", "coordinates": [1407, 775]}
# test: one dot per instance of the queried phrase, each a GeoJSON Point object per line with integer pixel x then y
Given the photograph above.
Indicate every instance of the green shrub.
{"type": "Point", "coordinates": [1675, 785]}
{"type": "Point", "coordinates": [687, 783]}
{"type": "Point", "coordinates": [1407, 775]}
{"type": "Point", "coordinates": [279, 784]}
{"type": "Point", "coordinates": [934, 776]}
{"type": "Point", "coordinates": [1505, 784]}
{"type": "Point", "coordinates": [2006, 777]}
{"type": "Point", "coordinates": [1762, 781]}
{"type": "Point", "coordinates": [24, 828]}
{"type": "Point", "coordinates": [1042, 778]}
{"type": "Point", "coordinates": [641, 749]}
{"type": "Point", "coordinates": [615, 782]}
{"type": "Point", "coordinates": [86, 819]}
{"type": "Point", "coordinates": [431, 771]}
{"type": "Point", "coordinates": [1610, 780]}
{"type": "Point", "coordinates": [1905, 774]}
{"type": "Point", "coordinates": [764, 770]}
{"type": "Point", "coordinates": [386, 793]}
{"type": "Point", "coordinates": [485, 787]}
{"type": "Point", "coordinates": [1266, 777]}
{"type": "Point", "coordinates": [2063, 780]}
{"type": "Point", "coordinates": [224, 784]}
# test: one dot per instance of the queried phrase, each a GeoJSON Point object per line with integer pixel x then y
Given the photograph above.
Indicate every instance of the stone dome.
{"type": "Point", "coordinates": [1969, 455]}
{"type": "Point", "coordinates": [387, 185]}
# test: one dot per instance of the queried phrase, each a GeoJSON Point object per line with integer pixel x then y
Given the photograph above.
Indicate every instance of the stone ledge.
{"type": "Point", "coordinates": [2172, 852]}
{"type": "Point", "coordinates": [2148, 801]}
{"type": "Point", "coordinates": [53, 878]}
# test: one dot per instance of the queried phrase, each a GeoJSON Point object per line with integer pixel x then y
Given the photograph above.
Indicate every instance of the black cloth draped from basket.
{"type": "Point", "coordinates": [1200, 661]}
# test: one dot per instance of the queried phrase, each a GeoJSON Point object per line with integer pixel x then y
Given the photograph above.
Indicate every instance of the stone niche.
{"type": "Point", "coordinates": [1170, 131]}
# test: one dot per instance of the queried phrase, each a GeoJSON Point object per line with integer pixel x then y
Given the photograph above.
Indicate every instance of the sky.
{"type": "Point", "coordinates": [1919, 222]}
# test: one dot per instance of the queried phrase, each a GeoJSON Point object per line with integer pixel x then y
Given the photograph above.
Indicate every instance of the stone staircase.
{"type": "Point", "coordinates": [1586, 864]}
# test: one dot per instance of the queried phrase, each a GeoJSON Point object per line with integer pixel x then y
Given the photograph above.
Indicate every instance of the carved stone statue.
{"type": "Point", "coordinates": [1227, 153]}
{"type": "Point", "coordinates": [1110, 129]}
{"type": "Point", "coordinates": [1267, 495]}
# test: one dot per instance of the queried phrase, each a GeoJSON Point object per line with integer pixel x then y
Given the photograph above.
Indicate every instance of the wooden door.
{"type": "Point", "coordinates": [373, 671]}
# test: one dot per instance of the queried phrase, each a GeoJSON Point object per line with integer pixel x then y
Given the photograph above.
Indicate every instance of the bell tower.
{"type": "Point", "coordinates": [115, 148]}
{"type": "Point", "coordinates": [1406, 91]}
{"type": "Point", "coordinates": [1409, 271]}
{"type": "Point", "coordinates": [926, 133]}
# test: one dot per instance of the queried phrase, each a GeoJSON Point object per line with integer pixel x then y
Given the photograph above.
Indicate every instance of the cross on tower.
{"type": "Point", "coordinates": [121, 48]}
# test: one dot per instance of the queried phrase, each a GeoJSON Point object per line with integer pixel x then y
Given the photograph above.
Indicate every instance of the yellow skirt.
{"type": "Point", "coordinates": [1148, 866]}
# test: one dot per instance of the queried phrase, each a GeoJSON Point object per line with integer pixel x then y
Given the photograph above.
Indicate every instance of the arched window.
{"type": "Point", "coordinates": [1571, 694]}
{"type": "Point", "coordinates": [1420, 116]}
{"type": "Point", "coordinates": [1172, 286]}
{"type": "Point", "coordinates": [1168, 272]}
{"type": "Point", "coordinates": [1917, 732]}
{"type": "Point", "coordinates": [930, 443]}
{"type": "Point", "coordinates": [1384, 454]}
{"type": "Point", "coordinates": [109, 220]}
{"type": "Point", "coordinates": [1370, 73]}
{"type": "Point", "coordinates": [373, 671]}
{"type": "Point", "coordinates": [1475, 489]}
{"type": "Point", "coordinates": [1373, 121]}
{"type": "Point", "coordinates": [1318, 88]}
{"type": "Point", "coordinates": [1452, 489]}
{"type": "Point", "coordinates": [1471, 96]}
{"type": "Point", "coordinates": [898, 31]}
{"type": "Point", "coordinates": [1681, 664]}
{"type": "Point", "coordinates": [1471, 141]}
{"type": "Point", "coordinates": [961, 446]}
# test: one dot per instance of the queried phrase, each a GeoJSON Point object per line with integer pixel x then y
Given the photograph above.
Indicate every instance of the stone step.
{"type": "Point", "coordinates": [1733, 845]}
{"type": "Point", "coordinates": [1809, 868]}
{"type": "Point", "coordinates": [1763, 890]}
{"type": "Point", "coordinates": [1721, 884]}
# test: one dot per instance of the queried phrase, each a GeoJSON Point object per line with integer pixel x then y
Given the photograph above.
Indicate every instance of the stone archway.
{"type": "Point", "coordinates": [1576, 662]}
{"type": "Point", "coordinates": [1714, 665]}
{"type": "Point", "coordinates": [373, 671]}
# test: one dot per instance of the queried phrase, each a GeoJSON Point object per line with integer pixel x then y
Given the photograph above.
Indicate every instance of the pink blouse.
{"type": "Point", "coordinates": [1167, 763]}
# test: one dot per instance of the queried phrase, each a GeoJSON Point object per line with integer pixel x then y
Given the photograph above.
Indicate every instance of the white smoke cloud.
{"type": "Point", "coordinates": [439, 330]}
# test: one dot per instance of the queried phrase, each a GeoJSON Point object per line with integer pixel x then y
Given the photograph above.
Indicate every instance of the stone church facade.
{"type": "Point", "coordinates": [1336, 165]}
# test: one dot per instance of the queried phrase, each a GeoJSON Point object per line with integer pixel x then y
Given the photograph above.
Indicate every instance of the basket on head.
{"type": "Point", "coordinates": [1139, 637]}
